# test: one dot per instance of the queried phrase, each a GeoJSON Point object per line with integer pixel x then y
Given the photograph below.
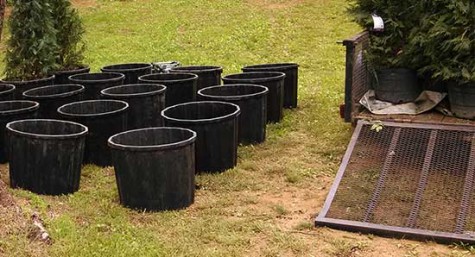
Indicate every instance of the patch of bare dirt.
{"type": "Point", "coordinates": [6, 199]}
{"type": "Point", "coordinates": [273, 4]}
{"type": "Point", "coordinates": [84, 3]}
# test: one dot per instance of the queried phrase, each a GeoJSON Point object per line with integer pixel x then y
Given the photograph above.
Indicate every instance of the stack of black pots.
{"type": "Point", "coordinates": [156, 129]}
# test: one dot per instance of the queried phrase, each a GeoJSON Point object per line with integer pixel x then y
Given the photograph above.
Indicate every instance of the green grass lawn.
{"type": "Point", "coordinates": [263, 207]}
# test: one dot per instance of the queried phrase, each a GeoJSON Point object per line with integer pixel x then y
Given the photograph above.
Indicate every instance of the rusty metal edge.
{"type": "Point", "coordinates": [393, 231]}
{"type": "Point", "coordinates": [355, 39]}
{"type": "Point", "coordinates": [341, 170]}
{"type": "Point", "coordinates": [465, 128]}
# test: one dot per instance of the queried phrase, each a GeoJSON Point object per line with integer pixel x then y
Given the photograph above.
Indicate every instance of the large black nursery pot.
{"type": "Point", "coordinates": [146, 101]}
{"type": "Point", "coordinates": [181, 87]}
{"type": "Point", "coordinates": [273, 80]}
{"type": "Point", "coordinates": [62, 76]}
{"type": "Point", "coordinates": [216, 125]}
{"type": "Point", "coordinates": [155, 168]}
{"type": "Point", "coordinates": [132, 71]}
{"type": "Point", "coordinates": [46, 155]}
{"type": "Point", "coordinates": [461, 98]}
{"type": "Point", "coordinates": [6, 92]}
{"type": "Point", "coordinates": [290, 82]}
{"type": "Point", "coordinates": [23, 85]}
{"type": "Point", "coordinates": [96, 82]}
{"type": "Point", "coordinates": [104, 118]}
{"type": "Point", "coordinates": [207, 75]}
{"type": "Point", "coordinates": [52, 97]}
{"type": "Point", "coordinates": [251, 99]}
{"type": "Point", "coordinates": [396, 85]}
{"type": "Point", "coordinates": [11, 111]}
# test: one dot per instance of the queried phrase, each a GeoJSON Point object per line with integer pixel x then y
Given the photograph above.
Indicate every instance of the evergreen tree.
{"type": "Point", "coordinates": [31, 49]}
{"type": "Point", "coordinates": [69, 35]}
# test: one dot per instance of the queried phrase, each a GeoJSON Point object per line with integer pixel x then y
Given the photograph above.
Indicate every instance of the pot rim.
{"type": "Point", "coordinates": [60, 109]}
{"type": "Point", "coordinates": [198, 121]}
{"type": "Point", "coordinates": [160, 90]}
{"type": "Point", "coordinates": [47, 136]}
{"type": "Point", "coordinates": [191, 76]}
{"type": "Point", "coordinates": [79, 89]}
{"type": "Point", "coordinates": [264, 91]}
{"type": "Point", "coordinates": [160, 147]}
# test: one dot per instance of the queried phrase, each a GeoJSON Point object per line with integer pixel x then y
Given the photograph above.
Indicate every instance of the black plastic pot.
{"type": "Point", "coordinates": [181, 87]}
{"type": "Point", "coordinates": [274, 81]}
{"type": "Point", "coordinates": [11, 111]}
{"type": "Point", "coordinates": [132, 71]}
{"type": "Point", "coordinates": [46, 155]}
{"type": "Point", "coordinates": [104, 118]}
{"type": "Point", "coordinates": [6, 92]}
{"type": "Point", "coordinates": [207, 75]}
{"type": "Point", "coordinates": [252, 100]}
{"type": "Point", "coordinates": [398, 85]}
{"type": "Point", "coordinates": [146, 101]}
{"type": "Point", "coordinates": [155, 168]}
{"type": "Point", "coordinates": [96, 82]}
{"type": "Point", "coordinates": [62, 77]}
{"type": "Point", "coordinates": [462, 99]}
{"type": "Point", "coordinates": [23, 85]}
{"type": "Point", "coordinates": [290, 82]}
{"type": "Point", "coordinates": [52, 97]}
{"type": "Point", "coordinates": [216, 125]}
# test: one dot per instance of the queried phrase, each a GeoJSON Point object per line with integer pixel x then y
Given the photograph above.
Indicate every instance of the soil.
{"type": "Point", "coordinates": [6, 200]}
{"type": "Point", "coordinates": [272, 4]}
{"type": "Point", "coordinates": [84, 3]}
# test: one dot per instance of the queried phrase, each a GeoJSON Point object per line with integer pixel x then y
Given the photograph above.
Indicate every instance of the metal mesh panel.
{"type": "Point", "coordinates": [357, 79]}
{"type": "Point", "coordinates": [360, 74]}
{"type": "Point", "coordinates": [407, 179]}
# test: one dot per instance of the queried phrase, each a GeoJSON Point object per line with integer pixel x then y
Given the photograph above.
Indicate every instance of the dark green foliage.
{"type": "Point", "coordinates": [388, 49]}
{"type": "Point", "coordinates": [437, 37]}
{"type": "Point", "coordinates": [445, 41]}
{"type": "Point", "coordinates": [31, 49]}
{"type": "Point", "coordinates": [69, 35]}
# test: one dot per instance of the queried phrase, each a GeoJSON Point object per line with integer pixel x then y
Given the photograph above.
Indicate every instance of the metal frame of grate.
{"type": "Point", "coordinates": [356, 74]}
{"type": "Point", "coordinates": [443, 158]}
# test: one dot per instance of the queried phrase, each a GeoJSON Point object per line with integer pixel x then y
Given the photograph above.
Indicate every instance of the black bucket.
{"type": "Point", "coordinates": [274, 81]}
{"type": "Point", "coordinates": [398, 85]}
{"type": "Point", "coordinates": [23, 85]}
{"type": "Point", "coordinates": [52, 97]}
{"type": "Point", "coordinates": [181, 87]}
{"type": "Point", "coordinates": [6, 92]}
{"type": "Point", "coordinates": [132, 71]}
{"type": "Point", "coordinates": [62, 77]}
{"type": "Point", "coordinates": [216, 125]}
{"type": "Point", "coordinates": [46, 155]}
{"type": "Point", "coordinates": [207, 75]}
{"type": "Point", "coordinates": [290, 82]}
{"type": "Point", "coordinates": [12, 111]}
{"type": "Point", "coordinates": [155, 168]}
{"type": "Point", "coordinates": [461, 97]}
{"type": "Point", "coordinates": [104, 118]}
{"type": "Point", "coordinates": [252, 100]}
{"type": "Point", "coordinates": [96, 82]}
{"type": "Point", "coordinates": [146, 101]}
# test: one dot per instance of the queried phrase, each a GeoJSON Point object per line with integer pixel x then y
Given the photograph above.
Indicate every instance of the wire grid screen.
{"type": "Point", "coordinates": [410, 177]}
{"type": "Point", "coordinates": [360, 76]}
